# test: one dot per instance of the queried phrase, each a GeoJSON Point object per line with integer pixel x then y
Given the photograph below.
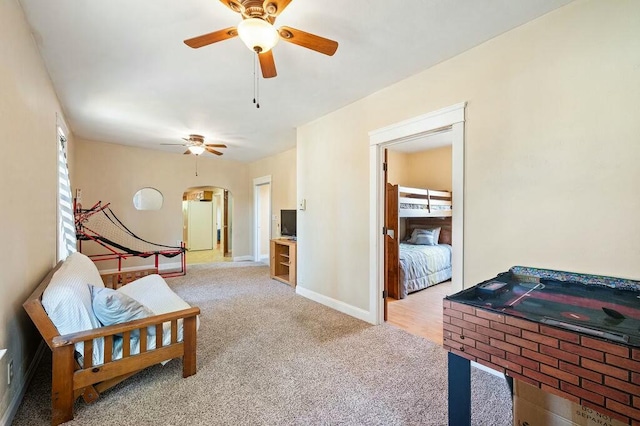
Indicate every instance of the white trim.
{"type": "Point", "coordinates": [453, 117]}
{"type": "Point", "coordinates": [338, 305]}
{"type": "Point", "coordinates": [264, 180]}
{"type": "Point", "coordinates": [15, 402]}
{"type": "Point", "coordinates": [243, 259]}
{"type": "Point", "coordinates": [161, 267]}
{"type": "Point", "coordinates": [264, 257]}
{"type": "Point", "coordinates": [487, 369]}
{"type": "Point", "coordinates": [424, 123]}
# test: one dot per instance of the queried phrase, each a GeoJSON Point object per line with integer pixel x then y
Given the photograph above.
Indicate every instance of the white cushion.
{"type": "Point", "coordinates": [67, 298]}
{"type": "Point", "coordinates": [153, 292]}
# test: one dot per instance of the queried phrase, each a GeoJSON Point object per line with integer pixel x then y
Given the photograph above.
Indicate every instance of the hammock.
{"type": "Point", "coordinates": [101, 225]}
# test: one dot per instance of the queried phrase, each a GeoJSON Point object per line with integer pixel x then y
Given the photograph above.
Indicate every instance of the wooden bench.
{"type": "Point", "coordinates": [72, 380]}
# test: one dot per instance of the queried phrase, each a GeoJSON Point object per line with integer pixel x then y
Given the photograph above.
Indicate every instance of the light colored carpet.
{"type": "Point", "coordinates": [267, 356]}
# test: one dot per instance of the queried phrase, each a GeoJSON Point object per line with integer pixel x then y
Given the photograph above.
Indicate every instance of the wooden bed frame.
{"type": "Point", "coordinates": [415, 218]}
{"type": "Point", "coordinates": [72, 380]}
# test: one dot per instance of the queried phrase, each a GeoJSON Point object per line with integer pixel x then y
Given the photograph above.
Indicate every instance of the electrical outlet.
{"type": "Point", "coordinates": [9, 372]}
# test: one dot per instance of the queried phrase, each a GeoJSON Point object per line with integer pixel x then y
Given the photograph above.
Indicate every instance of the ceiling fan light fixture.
{"type": "Point", "coordinates": [257, 34]}
{"type": "Point", "coordinates": [196, 149]}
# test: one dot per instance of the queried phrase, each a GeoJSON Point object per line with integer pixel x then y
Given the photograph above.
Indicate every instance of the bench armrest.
{"type": "Point", "coordinates": [156, 320]}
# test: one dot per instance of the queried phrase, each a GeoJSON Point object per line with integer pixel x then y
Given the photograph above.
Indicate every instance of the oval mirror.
{"type": "Point", "coordinates": [148, 199]}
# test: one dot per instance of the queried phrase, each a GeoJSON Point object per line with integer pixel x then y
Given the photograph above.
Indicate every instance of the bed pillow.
{"type": "Point", "coordinates": [112, 307]}
{"type": "Point", "coordinates": [426, 237]}
{"type": "Point", "coordinates": [432, 236]}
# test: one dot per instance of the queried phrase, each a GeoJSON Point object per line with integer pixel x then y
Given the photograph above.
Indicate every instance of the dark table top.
{"type": "Point", "coordinates": [605, 311]}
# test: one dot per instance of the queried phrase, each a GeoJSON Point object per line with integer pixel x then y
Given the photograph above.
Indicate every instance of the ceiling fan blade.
{"type": "Point", "coordinates": [234, 5]}
{"type": "Point", "coordinates": [215, 145]}
{"type": "Point", "coordinates": [210, 38]}
{"type": "Point", "coordinates": [187, 152]}
{"type": "Point", "coordinates": [275, 7]}
{"type": "Point", "coordinates": [213, 151]}
{"type": "Point", "coordinates": [267, 64]}
{"type": "Point", "coordinates": [308, 40]}
{"type": "Point", "coordinates": [173, 144]}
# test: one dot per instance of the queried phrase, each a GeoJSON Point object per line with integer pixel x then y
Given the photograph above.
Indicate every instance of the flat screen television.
{"type": "Point", "coordinates": [288, 223]}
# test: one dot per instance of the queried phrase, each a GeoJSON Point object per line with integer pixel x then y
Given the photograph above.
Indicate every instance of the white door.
{"type": "Point", "coordinates": [264, 220]}
{"type": "Point", "coordinates": [200, 225]}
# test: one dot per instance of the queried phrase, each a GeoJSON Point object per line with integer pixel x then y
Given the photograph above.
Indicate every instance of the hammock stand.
{"type": "Point", "coordinates": [120, 252]}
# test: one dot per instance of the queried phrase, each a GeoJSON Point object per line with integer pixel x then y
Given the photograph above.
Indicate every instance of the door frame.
{"type": "Point", "coordinates": [404, 131]}
{"type": "Point", "coordinates": [257, 182]}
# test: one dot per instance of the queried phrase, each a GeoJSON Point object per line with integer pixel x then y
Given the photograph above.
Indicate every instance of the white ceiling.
{"type": "Point", "coordinates": [124, 75]}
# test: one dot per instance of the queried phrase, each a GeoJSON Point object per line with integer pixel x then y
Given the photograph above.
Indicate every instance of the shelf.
{"type": "Point", "coordinates": [283, 261]}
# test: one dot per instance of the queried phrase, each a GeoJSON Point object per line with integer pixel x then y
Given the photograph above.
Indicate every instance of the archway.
{"type": "Point", "coordinates": [207, 213]}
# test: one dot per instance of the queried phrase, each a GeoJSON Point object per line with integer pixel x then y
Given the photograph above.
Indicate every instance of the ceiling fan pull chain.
{"type": "Point", "coordinates": [256, 82]}
{"type": "Point", "coordinates": [196, 165]}
{"type": "Point", "coordinates": [254, 79]}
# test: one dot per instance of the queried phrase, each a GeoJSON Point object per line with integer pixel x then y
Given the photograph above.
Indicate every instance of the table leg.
{"type": "Point", "coordinates": [459, 391]}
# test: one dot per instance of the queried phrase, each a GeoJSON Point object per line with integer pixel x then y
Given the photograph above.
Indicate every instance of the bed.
{"type": "Point", "coordinates": [413, 263]}
{"type": "Point", "coordinates": [417, 202]}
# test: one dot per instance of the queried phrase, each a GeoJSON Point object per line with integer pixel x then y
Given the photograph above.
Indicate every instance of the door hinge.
{"type": "Point", "coordinates": [384, 167]}
{"type": "Point", "coordinates": [384, 294]}
{"type": "Point", "coordinates": [384, 230]}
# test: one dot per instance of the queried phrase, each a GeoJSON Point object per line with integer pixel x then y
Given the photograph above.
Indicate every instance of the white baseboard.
{"type": "Point", "coordinates": [487, 369]}
{"type": "Point", "coordinates": [161, 267]}
{"type": "Point", "coordinates": [12, 409]}
{"type": "Point", "coordinates": [264, 257]}
{"type": "Point", "coordinates": [338, 305]}
{"type": "Point", "coordinates": [243, 259]}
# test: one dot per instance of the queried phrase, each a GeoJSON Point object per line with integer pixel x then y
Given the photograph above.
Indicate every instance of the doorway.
{"type": "Point", "coordinates": [419, 269]}
{"type": "Point", "coordinates": [262, 218]}
{"type": "Point", "coordinates": [207, 213]}
{"type": "Point", "coordinates": [410, 130]}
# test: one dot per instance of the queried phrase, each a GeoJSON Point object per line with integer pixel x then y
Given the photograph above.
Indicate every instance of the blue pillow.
{"type": "Point", "coordinates": [112, 307]}
{"type": "Point", "coordinates": [425, 237]}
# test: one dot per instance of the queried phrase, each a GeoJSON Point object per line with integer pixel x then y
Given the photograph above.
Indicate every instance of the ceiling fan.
{"type": "Point", "coordinates": [195, 145]}
{"type": "Point", "coordinates": [257, 31]}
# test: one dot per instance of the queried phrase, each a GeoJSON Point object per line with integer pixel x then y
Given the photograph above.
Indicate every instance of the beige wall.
{"type": "Point", "coordinates": [113, 173]}
{"type": "Point", "coordinates": [398, 168]}
{"type": "Point", "coordinates": [282, 169]}
{"type": "Point", "coordinates": [424, 169]}
{"type": "Point", "coordinates": [551, 154]}
{"type": "Point", "coordinates": [431, 169]}
{"type": "Point", "coordinates": [28, 108]}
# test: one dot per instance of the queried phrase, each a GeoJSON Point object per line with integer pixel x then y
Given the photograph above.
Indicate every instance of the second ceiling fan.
{"type": "Point", "coordinates": [257, 31]}
{"type": "Point", "coordinates": [195, 145]}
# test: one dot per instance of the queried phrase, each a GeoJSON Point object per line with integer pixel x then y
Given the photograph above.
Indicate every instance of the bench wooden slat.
{"type": "Point", "coordinates": [174, 331]}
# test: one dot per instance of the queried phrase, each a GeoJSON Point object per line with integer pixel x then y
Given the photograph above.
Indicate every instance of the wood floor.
{"type": "Point", "coordinates": [420, 313]}
{"type": "Point", "coordinates": [207, 256]}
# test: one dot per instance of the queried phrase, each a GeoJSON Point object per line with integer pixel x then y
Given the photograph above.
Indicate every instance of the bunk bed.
{"type": "Point", "coordinates": [418, 239]}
